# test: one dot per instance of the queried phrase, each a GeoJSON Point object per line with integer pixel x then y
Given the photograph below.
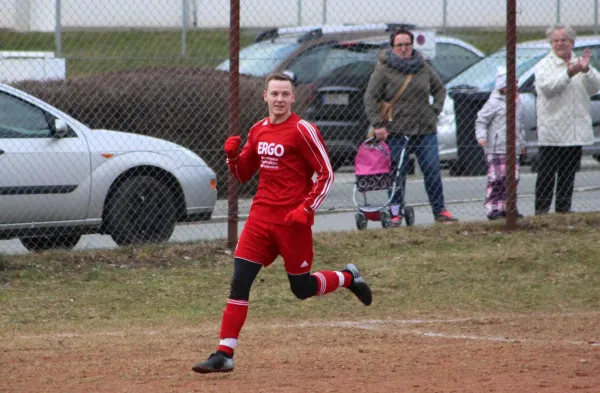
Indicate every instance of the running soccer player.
{"type": "Point", "coordinates": [286, 151]}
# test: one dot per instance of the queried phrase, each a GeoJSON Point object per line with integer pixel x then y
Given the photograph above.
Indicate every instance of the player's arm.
{"type": "Point", "coordinates": [312, 148]}
{"type": "Point", "coordinates": [242, 164]}
{"type": "Point", "coordinates": [314, 151]}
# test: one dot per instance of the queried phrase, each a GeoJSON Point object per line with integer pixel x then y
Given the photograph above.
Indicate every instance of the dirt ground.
{"type": "Point", "coordinates": [533, 353]}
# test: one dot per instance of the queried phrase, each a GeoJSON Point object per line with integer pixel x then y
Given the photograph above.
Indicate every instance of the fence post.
{"type": "Point", "coordinates": [511, 110]}
{"type": "Point", "coordinates": [184, 26]}
{"type": "Point", "coordinates": [444, 15]}
{"type": "Point", "coordinates": [234, 98]}
{"type": "Point", "coordinates": [58, 29]}
{"type": "Point", "coordinates": [595, 17]}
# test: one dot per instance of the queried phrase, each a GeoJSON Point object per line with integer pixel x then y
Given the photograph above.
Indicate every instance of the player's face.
{"type": "Point", "coordinates": [279, 96]}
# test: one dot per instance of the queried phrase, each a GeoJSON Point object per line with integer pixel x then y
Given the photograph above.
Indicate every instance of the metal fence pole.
{"type": "Point", "coordinates": [511, 110]}
{"type": "Point", "coordinates": [234, 121]}
{"type": "Point", "coordinates": [195, 13]}
{"type": "Point", "coordinates": [444, 15]}
{"type": "Point", "coordinates": [58, 29]}
{"type": "Point", "coordinates": [557, 12]}
{"type": "Point", "coordinates": [324, 12]}
{"type": "Point", "coordinates": [184, 26]}
{"type": "Point", "coordinates": [299, 12]}
{"type": "Point", "coordinates": [595, 17]}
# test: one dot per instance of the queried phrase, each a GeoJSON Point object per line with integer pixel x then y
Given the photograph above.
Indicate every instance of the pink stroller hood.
{"type": "Point", "coordinates": [373, 158]}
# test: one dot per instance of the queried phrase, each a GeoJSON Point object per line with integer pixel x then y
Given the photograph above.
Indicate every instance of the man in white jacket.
{"type": "Point", "coordinates": [564, 84]}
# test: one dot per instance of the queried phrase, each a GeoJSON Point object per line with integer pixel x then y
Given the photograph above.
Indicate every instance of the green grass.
{"type": "Point", "coordinates": [101, 51]}
{"type": "Point", "coordinates": [549, 264]}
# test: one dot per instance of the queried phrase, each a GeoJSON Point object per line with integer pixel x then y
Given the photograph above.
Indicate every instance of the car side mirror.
{"type": "Point", "coordinates": [61, 128]}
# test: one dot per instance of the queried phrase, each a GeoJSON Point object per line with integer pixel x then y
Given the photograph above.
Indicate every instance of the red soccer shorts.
{"type": "Point", "coordinates": [262, 242]}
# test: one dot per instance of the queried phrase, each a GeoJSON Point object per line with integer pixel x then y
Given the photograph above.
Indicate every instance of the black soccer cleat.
{"type": "Point", "coordinates": [216, 363]}
{"type": "Point", "coordinates": [359, 286]}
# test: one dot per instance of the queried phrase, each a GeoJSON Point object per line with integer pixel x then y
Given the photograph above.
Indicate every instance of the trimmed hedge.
{"type": "Point", "coordinates": [183, 105]}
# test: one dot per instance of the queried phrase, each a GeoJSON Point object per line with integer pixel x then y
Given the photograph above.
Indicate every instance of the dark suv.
{"type": "Point", "coordinates": [336, 105]}
{"type": "Point", "coordinates": [309, 52]}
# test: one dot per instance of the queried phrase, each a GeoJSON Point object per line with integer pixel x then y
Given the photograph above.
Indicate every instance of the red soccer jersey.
{"type": "Point", "coordinates": [286, 156]}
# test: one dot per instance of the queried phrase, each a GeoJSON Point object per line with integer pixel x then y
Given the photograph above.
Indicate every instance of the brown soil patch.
{"type": "Point", "coordinates": [539, 353]}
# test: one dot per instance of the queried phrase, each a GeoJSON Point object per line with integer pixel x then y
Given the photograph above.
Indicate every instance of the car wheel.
{"type": "Point", "coordinates": [37, 244]}
{"type": "Point", "coordinates": [141, 210]}
{"type": "Point", "coordinates": [596, 157]}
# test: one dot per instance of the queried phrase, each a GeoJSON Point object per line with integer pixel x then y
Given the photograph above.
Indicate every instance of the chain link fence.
{"type": "Point", "coordinates": [158, 72]}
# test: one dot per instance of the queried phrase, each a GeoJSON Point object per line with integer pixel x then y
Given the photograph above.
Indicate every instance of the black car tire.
{"type": "Point", "coordinates": [44, 243]}
{"type": "Point", "coordinates": [140, 211]}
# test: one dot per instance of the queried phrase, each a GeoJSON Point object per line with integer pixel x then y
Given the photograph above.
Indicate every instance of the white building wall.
{"type": "Point", "coordinates": [38, 15]}
{"type": "Point", "coordinates": [121, 13]}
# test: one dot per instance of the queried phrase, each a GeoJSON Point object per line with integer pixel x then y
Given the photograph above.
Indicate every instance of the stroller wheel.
{"type": "Point", "coordinates": [361, 221]}
{"type": "Point", "coordinates": [409, 216]}
{"type": "Point", "coordinates": [386, 219]}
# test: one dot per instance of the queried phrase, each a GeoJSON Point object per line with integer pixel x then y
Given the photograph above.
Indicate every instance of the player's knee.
{"type": "Point", "coordinates": [301, 292]}
{"type": "Point", "coordinates": [239, 289]}
{"type": "Point", "coordinates": [244, 274]}
{"type": "Point", "coordinates": [303, 286]}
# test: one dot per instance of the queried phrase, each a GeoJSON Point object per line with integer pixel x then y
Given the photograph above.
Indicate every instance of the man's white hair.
{"type": "Point", "coordinates": [568, 29]}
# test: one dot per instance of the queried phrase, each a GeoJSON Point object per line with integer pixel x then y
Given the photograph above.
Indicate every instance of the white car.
{"type": "Point", "coordinates": [477, 82]}
{"type": "Point", "coordinates": [61, 179]}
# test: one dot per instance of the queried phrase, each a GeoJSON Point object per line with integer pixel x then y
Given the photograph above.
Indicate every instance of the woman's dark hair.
{"type": "Point", "coordinates": [401, 31]}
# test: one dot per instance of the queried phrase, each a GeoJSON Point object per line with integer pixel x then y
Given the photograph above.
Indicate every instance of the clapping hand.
{"type": "Point", "coordinates": [585, 60]}
{"type": "Point", "coordinates": [582, 64]}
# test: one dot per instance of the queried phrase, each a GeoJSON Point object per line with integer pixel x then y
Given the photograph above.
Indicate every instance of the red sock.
{"type": "Point", "coordinates": [348, 277]}
{"type": "Point", "coordinates": [233, 320]}
{"type": "Point", "coordinates": [328, 281]}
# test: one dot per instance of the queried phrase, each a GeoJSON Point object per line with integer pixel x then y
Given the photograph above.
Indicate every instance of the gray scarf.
{"type": "Point", "coordinates": [405, 66]}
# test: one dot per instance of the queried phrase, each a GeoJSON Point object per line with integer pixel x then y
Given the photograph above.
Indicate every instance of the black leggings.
{"type": "Point", "coordinates": [303, 286]}
{"type": "Point", "coordinates": [556, 164]}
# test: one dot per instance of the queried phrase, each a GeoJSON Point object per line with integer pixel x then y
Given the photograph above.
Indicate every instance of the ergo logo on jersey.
{"type": "Point", "coordinates": [270, 149]}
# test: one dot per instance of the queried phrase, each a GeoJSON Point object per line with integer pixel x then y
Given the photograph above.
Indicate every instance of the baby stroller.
{"type": "Point", "coordinates": [373, 170]}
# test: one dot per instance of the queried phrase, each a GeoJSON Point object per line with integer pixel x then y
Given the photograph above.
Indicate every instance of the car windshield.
{"type": "Point", "coordinates": [261, 58]}
{"type": "Point", "coordinates": [344, 55]}
{"type": "Point", "coordinates": [482, 74]}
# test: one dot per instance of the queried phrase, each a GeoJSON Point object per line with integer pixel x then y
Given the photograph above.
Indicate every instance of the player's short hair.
{"type": "Point", "coordinates": [279, 76]}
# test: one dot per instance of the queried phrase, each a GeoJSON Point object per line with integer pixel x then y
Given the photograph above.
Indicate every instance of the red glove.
{"type": "Point", "coordinates": [300, 215]}
{"type": "Point", "coordinates": [232, 147]}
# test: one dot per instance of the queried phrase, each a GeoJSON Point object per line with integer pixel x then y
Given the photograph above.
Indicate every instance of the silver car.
{"type": "Point", "coordinates": [61, 179]}
{"type": "Point", "coordinates": [479, 79]}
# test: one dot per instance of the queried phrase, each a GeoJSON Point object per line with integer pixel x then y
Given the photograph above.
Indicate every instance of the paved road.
{"type": "Point", "coordinates": [464, 197]}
